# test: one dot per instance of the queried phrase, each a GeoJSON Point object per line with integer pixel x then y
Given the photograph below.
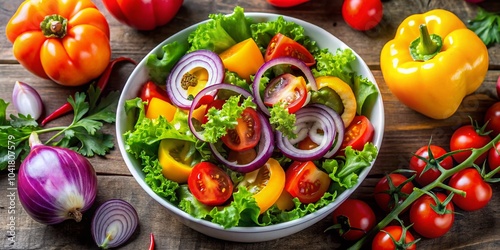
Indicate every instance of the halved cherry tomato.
{"type": "Point", "coordinates": [246, 135]}
{"type": "Point", "coordinates": [175, 159]}
{"type": "Point", "coordinates": [150, 90]}
{"type": "Point", "coordinates": [358, 133]}
{"type": "Point", "coordinates": [288, 90]}
{"type": "Point", "coordinates": [306, 182]}
{"type": "Point", "coordinates": [281, 45]}
{"type": "Point", "coordinates": [209, 184]}
{"type": "Point", "coordinates": [265, 183]}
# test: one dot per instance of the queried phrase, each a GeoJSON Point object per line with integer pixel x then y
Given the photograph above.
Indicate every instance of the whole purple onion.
{"type": "Point", "coordinates": [55, 184]}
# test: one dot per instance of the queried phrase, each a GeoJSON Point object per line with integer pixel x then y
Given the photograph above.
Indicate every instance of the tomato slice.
{"type": "Point", "coordinates": [209, 184]}
{"type": "Point", "coordinates": [246, 134]}
{"type": "Point", "coordinates": [265, 183]}
{"type": "Point", "coordinates": [306, 182]}
{"type": "Point", "coordinates": [281, 45]}
{"type": "Point", "coordinates": [287, 89]}
{"type": "Point", "coordinates": [358, 133]}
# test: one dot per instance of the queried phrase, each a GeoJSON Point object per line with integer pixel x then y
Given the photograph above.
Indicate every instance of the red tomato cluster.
{"type": "Point", "coordinates": [432, 214]}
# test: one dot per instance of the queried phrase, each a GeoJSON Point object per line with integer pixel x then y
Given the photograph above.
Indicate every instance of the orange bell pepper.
{"type": "Point", "coordinates": [433, 62]}
{"type": "Point", "coordinates": [65, 41]}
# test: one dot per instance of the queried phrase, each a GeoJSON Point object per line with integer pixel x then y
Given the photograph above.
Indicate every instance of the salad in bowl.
{"type": "Point", "coordinates": [250, 126]}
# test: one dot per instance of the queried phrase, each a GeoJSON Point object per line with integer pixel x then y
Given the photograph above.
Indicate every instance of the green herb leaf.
{"type": "Point", "coordinates": [283, 121]}
{"type": "Point", "coordinates": [219, 121]}
{"type": "Point", "coordinates": [487, 26]}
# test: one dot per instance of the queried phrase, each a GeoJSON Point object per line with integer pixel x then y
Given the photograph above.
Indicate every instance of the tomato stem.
{"type": "Point", "coordinates": [445, 174]}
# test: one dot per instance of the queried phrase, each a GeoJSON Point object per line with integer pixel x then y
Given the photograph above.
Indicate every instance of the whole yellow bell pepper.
{"type": "Point", "coordinates": [433, 62]}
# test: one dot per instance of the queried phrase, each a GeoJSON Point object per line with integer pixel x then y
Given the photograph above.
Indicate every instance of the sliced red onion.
{"type": "Point", "coordinates": [314, 118]}
{"type": "Point", "coordinates": [211, 91]}
{"type": "Point", "coordinates": [279, 61]}
{"type": "Point", "coordinates": [55, 184]}
{"type": "Point", "coordinates": [339, 126]}
{"type": "Point", "coordinates": [198, 59]}
{"type": "Point", "coordinates": [26, 100]}
{"type": "Point", "coordinates": [264, 150]}
{"type": "Point", "coordinates": [113, 223]}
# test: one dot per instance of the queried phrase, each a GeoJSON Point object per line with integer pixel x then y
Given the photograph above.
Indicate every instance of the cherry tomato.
{"type": "Point", "coordinates": [492, 116]}
{"type": "Point", "coordinates": [467, 137]}
{"type": "Point", "coordinates": [286, 3]}
{"type": "Point", "coordinates": [287, 89]}
{"type": "Point", "coordinates": [494, 156]}
{"type": "Point", "coordinates": [355, 217]}
{"type": "Point", "coordinates": [385, 194]}
{"type": "Point", "coordinates": [425, 176]}
{"type": "Point", "coordinates": [426, 221]}
{"type": "Point", "coordinates": [384, 241]}
{"type": "Point", "coordinates": [150, 90]}
{"type": "Point", "coordinates": [281, 45]}
{"type": "Point", "coordinates": [246, 135]}
{"type": "Point", "coordinates": [209, 184]}
{"type": "Point", "coordinates": [478, 192]}
{"type": "Point", "coordinates": [306, 182]}
{"type": "Point", "coordinates": [358, 133]}
{"type": "Point", "coordinates": [362, 14]}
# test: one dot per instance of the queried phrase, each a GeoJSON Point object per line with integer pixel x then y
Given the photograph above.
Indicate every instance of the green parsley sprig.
{"type": "Point", "coordinates": [487, 26]}
{"type": "Point", "coordinates": [83, 135]}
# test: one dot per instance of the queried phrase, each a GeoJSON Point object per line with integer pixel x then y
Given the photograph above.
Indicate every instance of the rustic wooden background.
{"type": "Point", "coordinates": [405, 132]}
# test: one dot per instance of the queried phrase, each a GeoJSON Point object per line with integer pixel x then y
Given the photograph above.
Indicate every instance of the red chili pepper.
{"type": "Point", "coordinates": [101, 84]}
{"type": "Point", "coordinates": [152, 244]}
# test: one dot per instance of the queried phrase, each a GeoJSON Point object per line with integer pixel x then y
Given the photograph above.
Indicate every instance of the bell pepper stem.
{"type": "Point", "coordinates": [426, 46]}
{"type": "Point", "coordinates": [54, 26]}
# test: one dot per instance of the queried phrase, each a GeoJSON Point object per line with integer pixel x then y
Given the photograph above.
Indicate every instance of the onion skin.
{"type": "Point", "coordinates": [55, 184]}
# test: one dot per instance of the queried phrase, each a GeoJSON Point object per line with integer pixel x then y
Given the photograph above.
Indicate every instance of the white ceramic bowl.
{"type": "Point", "coordinates": [245, 234]}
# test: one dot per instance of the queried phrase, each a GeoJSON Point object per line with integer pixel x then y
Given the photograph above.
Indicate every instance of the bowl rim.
{"type": "Point", "coordinates": [320, 213]}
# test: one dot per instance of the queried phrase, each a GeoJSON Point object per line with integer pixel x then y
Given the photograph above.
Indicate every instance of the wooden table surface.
{"type": "Point", "coordinates": [405, 132]}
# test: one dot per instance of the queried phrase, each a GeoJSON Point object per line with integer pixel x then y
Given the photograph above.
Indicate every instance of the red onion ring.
{"type": "Point", "coordinates": [116, 217]}
{"type": "Point", "coordinates": [265, 149]}
{"type": "Point", "coordinates": [278, 61]}
{"type": "Point", "coordinates": [318, 117]}
{"type": "Point", "coordinates": [198, 59]}
{"type": "Point", "coordinates": [211, 91]}
{"type": "Point", "coordinates": [339, 126]}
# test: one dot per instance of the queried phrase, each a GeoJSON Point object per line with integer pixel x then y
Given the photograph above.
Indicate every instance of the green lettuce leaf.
{"type": "Point", "coordinates": [221, 32]}
{"type": "Point", "coordinates": [159, 66]}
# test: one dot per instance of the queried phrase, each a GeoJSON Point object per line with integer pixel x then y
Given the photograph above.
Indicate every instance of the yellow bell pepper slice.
{"type": "Point", "coordinates": [265, 183]}
{"type": "Point", "coordinates": [243, 58]}
{"type": "Point", "coordinates": [157, 107]}
{"type": "Point", "coordinates": [175, 159]}
{"type": "Point", "coordinates": [449, 62]}
{"type": "Point", "coordinates": [346, 95]}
